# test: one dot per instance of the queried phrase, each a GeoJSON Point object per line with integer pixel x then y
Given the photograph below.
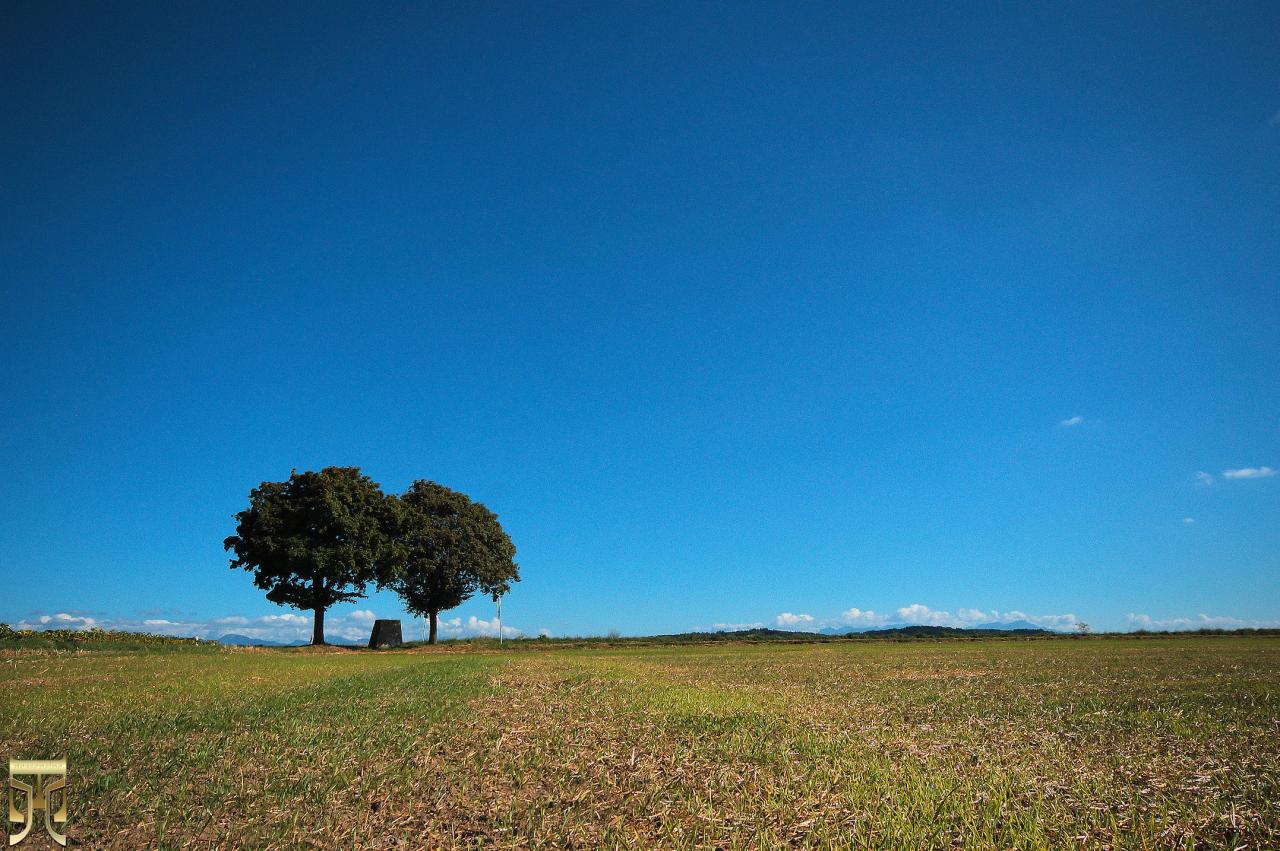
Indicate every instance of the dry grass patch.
{"type": "Point", "coordinates": [875, 746]}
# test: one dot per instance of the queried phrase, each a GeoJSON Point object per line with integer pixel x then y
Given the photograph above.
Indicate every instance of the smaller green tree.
{"type": "Point", "coordinates": [448, 548]}
{"type": "Point", "coordinates": [316, 539]}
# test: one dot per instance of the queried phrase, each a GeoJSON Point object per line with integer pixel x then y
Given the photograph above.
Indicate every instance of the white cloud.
{"type": "Point", "coordinates": [474, 627]}
{"type": "Point", "coordinates": [861, 617]}
{"type": "Point", "coordinates": [1065, 621]}
{"type": "Point", "coordinates": [1248, 473]}
{"type": "Point", "coordinates": [1202, 621]}
{"type": "Point", "coordinates": [363, 616]}
{"type": "Point", "coordinates": [787, 620]}
{"type": "Point", "coordinates": [918, 613]}
{"type": "Point", "coordinates": [286, 618]}
{"type": "Point", "coordinates": [62, 620]}
{"type": "Point", "coordinates": [1188, 521]}
{"type": "Point", "coordinates": [1071, 421]}
{"type": "Point", "coordinates": [977, 615]}
{"type": "Point", "coordinates": [1203, 478]}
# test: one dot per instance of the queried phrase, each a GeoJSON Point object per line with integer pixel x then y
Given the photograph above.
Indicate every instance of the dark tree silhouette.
{"type": "Point", "coordinates": [315, 539]}
{"type": "Point", "coordinates": [448, 548]}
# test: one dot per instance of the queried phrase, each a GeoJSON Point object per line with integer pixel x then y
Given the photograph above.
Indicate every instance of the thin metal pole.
{"type": "Point", "coordinates": [499, 620]}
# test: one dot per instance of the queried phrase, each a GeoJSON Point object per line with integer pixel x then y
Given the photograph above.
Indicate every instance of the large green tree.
{"type": "Point", "coordinates": [448, 548]}
{"type": "Point", "coordinates": [316, 539]}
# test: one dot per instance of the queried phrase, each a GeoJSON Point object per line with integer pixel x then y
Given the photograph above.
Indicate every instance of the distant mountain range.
{"type": "Point", "coordinates": [235, 640]}
{"type": "Point", "coordinates": [1015, 625]}
{"type": "Point", "coordinates": [890, 628]}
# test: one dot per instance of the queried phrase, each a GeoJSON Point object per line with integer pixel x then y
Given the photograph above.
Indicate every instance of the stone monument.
{"type": "Point", "coordinates": [386, 633]}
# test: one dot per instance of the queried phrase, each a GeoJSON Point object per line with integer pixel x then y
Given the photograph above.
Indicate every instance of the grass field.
{"type": "Point", "coordinates": [1156, 743]}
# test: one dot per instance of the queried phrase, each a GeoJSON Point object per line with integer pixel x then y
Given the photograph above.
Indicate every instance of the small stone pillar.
{"type": "Point", "coordinates": [386, 633]}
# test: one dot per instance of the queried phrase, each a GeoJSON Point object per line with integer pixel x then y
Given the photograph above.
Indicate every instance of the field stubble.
{"type": "Point", "coordinates": [1171, 743]}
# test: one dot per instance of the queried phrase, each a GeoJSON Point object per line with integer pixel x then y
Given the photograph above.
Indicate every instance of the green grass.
{"type": "Point", "coordinates": [1156, 743]}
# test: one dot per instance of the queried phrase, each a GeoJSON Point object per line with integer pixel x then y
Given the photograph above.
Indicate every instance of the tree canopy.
{"type": "Point", "coordinates": [316, 539]}
{"type": "Point", "coordinates": [447, 548]}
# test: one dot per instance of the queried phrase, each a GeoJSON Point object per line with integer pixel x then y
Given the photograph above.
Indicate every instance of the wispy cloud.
{"type": "Point", "coordinates": [1202, 621]}
{"type": "Point", "coordinates": [1248, 473]}
{"type": "Point", "coordinates": [1071, 421]}
{"type": "Point", "coordinates": [1188, 521]}
{"type": "Point", "coordinates": [1063, 621]}
{"type": "Point", "coordinates": [734, 627]}
{"type": "Point", "coordinates": [1203, 478]}
{"type": "Point", "coordinates": [284, 627]}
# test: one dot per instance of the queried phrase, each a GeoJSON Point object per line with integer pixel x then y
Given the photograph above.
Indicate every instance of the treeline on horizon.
{"type": "Point", "coordinates": [96, 638]}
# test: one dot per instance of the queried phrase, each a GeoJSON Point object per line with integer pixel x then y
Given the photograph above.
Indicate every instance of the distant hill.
{"type": "Point", "coordinates": [918, 631]}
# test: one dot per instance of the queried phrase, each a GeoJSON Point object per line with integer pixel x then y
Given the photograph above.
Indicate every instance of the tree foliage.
{"type": "Point", "coordinates": [316, 539]}
{"type": "Point", "coordinates": [448, 548]}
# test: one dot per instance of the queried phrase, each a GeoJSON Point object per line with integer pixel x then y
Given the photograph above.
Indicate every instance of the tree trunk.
{"type": "Point", "coordinates": [431, 638]}
{"type": "Point", "coordinates": [317, 627]}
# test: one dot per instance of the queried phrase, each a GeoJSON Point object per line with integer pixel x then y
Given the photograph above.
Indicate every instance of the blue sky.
{"type": "Point", "coordinates": [729, 311]}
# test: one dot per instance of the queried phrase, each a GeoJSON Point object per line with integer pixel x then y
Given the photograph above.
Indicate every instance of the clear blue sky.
{"type": "Point", "coordinates": [727, 310]}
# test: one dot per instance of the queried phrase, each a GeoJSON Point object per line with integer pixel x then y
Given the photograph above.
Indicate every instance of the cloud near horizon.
{"type": "Point", "coordinates": [733, 627]}
{"type": "Point", "coordinates": [474, 626]}
{"type": "Point", "coordinates": [916, 614]}
{"type": "Point", "coordinates": [1202, 621]}
{"type": "Point", "coordinates": [284, 627]}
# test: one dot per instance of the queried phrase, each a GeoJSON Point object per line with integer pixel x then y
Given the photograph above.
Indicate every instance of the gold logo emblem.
{"type": "Point", "coordinates": [50, 776]}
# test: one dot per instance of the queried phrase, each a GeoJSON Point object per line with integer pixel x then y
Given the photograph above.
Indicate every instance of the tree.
{"type": "Point", "coordinates": [448, 549]}
{"type": "Point", "coordinates": [315, 540]}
